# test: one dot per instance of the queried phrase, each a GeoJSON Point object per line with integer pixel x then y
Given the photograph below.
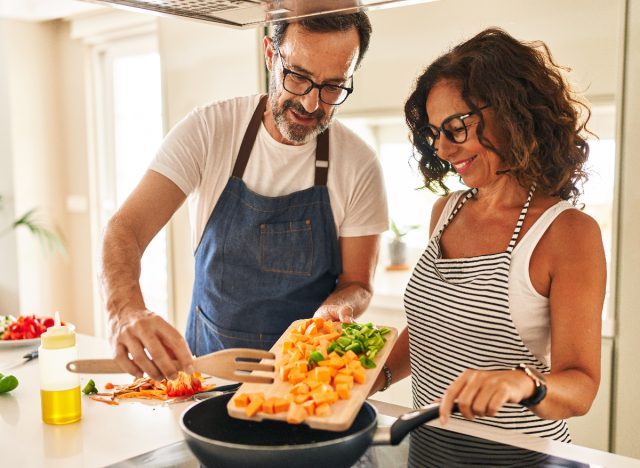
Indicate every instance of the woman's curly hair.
{"type": "Point", "coordinates": [538, 120]}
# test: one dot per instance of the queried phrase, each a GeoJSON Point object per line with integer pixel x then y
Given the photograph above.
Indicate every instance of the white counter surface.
{"type": "Point", "coordinates": [108, 434]}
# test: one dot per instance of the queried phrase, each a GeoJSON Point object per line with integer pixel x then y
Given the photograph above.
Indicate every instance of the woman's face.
{"type": "Point", "coordinates": [476, 164]}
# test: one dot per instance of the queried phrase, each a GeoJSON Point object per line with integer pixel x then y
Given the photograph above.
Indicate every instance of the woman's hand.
{"type": "Point", "coordinates": [483, 393]}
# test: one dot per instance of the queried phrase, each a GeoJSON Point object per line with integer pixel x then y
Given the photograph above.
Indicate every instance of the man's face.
{"type": "Point", "coordinates": [321, 57]}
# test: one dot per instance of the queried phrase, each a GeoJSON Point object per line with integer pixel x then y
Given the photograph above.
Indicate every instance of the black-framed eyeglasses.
{"type": "Point", "coordinates": [453, 127]}
{"type": "Point", "coordinates": [300, 85]}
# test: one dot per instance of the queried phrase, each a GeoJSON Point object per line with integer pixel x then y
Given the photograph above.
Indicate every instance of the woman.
{"type": "Point", "coordinates": [503, 308]}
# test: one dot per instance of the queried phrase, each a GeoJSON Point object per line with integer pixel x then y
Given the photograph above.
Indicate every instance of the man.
{"type": "Point", "coordinates": [287, 207]}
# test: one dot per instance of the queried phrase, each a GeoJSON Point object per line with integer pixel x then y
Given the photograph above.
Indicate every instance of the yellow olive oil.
{"type": "Point", "coordinates": [62, 406]}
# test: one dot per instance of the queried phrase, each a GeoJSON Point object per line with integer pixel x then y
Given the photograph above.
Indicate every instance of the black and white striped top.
{"type": "Point", "coordinates": [458, 318]}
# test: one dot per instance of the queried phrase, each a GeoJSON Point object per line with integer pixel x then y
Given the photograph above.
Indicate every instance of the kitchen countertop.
{"type": "Point", "coordinates": [110, 434]}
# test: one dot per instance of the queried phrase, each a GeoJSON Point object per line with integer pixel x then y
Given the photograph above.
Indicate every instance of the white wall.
{"type": "Point", "coordinates": [626, 440]}
{"type": "Point", "coordinates": [9, 271]}
{"type": "Point", "coordinates": [43, 159]}
{"type": "Point", "coordinates": [75, 157]}
{"type": "Point", "coordinates": [31, 63]}
{"type": "Point", "coordinates": [406, 39]}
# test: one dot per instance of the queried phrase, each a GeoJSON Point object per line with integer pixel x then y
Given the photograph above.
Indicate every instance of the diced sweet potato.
{"type": "Point", "coordinates": [241, 400]}
{"type": "Point", "coordinates": [310, 407]}
{"type": "Point", "coordinates": [281, 405]}
{"type": "Point", "coordinates": [359, 375]}
{"type": "Point", "coordinates": [296, 414]}
{"type": "Point", "coordinates": [254, 406]}
{"type": "Point", "coordinates": [312, 329]}
{"type": "Point", "coordinates": [296, 376]}
{"type": "Point", "coordinates": [323, 410]}
{"type": "Point", "coordinates": [267, 406]}
{"type": "Point", "coordinates": [349, 356]}
{"type": "Point", "coordinates": [302, 398]}
{"type": "Point", "coordinates": [343, 378]}
{"type": "Point", "coordinates": [342, 389]}
{"type": "Point", "coordinates": [300, 388]}
{"type": "Point", "coordinates": [322, 374]}
{"type": "Point", "coordinates": [325, 397]}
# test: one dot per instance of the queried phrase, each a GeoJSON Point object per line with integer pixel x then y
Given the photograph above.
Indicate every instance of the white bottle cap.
{"type": "Point", "coordinates": [58, 336]}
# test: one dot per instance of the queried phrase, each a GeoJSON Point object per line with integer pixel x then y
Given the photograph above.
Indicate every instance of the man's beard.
{"type": "Point", "coordinates": [291, 131]}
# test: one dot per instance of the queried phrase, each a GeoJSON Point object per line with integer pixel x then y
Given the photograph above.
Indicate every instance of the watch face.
{"type": "Point", "coordinates": [541, 388]}
{"type": "Point", "coordinates": [533, 372]}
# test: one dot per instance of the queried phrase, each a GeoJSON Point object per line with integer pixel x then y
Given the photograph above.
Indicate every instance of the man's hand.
{"type": "Point", "coordinates": [146, 343]}
{"type": "Point", "coordinates": [336, 313]}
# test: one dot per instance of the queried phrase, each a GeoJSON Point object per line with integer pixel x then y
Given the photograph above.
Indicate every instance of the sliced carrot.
{"type": "Point", "coordinates": [108, 401]}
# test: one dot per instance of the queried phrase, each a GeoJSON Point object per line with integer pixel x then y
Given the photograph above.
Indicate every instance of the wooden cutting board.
{"type": "Point", "coordinates": [343, 412]}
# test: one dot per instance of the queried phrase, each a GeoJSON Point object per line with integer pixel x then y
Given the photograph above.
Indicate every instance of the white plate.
{"type": "Point", "coordinates": [19, 343]}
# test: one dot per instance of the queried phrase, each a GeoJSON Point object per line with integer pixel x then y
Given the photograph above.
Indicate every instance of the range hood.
{"type": "Point", "coordinates": [252, 13]}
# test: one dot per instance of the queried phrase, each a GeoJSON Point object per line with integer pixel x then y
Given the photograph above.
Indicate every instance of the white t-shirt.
{"type": "Point", "coordinates": [198, 155]}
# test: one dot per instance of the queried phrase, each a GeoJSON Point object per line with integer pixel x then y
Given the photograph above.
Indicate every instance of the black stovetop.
{"type": "Point", "coordinates": [427, 446]}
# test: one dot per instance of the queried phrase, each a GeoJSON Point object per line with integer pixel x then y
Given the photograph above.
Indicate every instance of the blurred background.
{"type": "Point", "coordinates": [87, 93]}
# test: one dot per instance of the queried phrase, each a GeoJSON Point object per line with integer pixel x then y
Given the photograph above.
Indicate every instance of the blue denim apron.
{"type": "Point", "coordinates": [262, 262]}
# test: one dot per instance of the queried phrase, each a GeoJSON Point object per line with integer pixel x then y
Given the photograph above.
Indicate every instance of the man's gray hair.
{"type": "Point", "coordinates": [330, 23]}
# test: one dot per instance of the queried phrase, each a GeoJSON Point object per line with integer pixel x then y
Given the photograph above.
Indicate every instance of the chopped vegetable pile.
{"type": "Point", "coordinates": [24, 327]}
{"type": "Point", "coordinates": [363, 339]}
{"type": "Point", "coordinates": [322, 360]}
{"type": "Point", "coordinates": [146, 388]}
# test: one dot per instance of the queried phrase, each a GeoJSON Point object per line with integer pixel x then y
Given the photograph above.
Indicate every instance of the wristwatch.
{"type": "Point", "coordinates": [540, 382]}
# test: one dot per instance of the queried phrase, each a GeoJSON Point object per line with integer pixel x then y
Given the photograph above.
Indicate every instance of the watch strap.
{"type": "Point", "coordinates": [387, 378]}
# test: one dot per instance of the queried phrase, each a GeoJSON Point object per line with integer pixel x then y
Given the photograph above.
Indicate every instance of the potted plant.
{"type": "Point", "coordinates": [50, 239]}
{"type": "Point", "coordinates": [398, 247]}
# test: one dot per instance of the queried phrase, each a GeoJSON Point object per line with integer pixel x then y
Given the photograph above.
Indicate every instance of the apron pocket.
{"type": "Point", "coordinates": [287, 247]}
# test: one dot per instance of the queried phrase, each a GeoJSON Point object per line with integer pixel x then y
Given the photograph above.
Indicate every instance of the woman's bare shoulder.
{"type": "Point", "coordinates": [575, 233]}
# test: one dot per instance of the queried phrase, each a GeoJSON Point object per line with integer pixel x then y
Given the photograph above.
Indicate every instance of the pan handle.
{"type": "Point", "coordinates": [411, 420]}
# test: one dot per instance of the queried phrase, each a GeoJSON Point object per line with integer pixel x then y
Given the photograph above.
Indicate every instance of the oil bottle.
{"type": "Point", "coordinates": [59, 388]}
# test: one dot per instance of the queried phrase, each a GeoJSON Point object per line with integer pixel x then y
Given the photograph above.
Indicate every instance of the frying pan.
{"type": "Point", "coordinates": [218, 440]}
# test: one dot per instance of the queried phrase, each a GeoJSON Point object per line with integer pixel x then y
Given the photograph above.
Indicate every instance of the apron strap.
{"type": "Point", "coordinates": [322, 147]}
{"type": "Point", "coordinates": [322, 158]}
{"type": "Point", "coordinates": [523, 214]}
{"type": "Point", "coordinates": [249, 138]}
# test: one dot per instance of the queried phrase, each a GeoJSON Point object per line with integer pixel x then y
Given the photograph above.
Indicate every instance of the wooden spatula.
{"type": "Point", "coordinates": [236, 364]}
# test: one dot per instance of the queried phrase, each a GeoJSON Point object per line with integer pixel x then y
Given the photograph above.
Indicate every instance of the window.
{"type": "Point", "coordinates": [128, 133]}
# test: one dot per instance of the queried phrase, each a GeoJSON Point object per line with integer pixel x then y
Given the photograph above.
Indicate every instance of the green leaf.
{"type": "Point", "coordinates": [50, 240]}
{"type": "Point", "coordinates": [399, 233]}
